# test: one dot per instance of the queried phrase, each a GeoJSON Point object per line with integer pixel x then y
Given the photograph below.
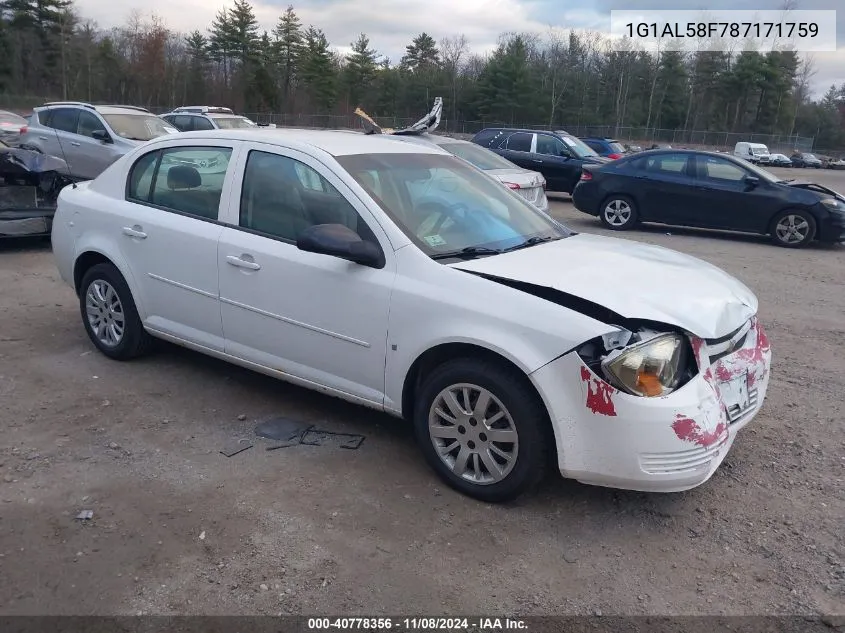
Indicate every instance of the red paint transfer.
{"type": "Point", "coordinates": [599, 394]}
{"type": "Point", "coordinates": [688, 430]}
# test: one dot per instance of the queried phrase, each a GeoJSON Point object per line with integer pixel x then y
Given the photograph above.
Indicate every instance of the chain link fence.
{"type": "Point", "coordinates": [643, 136]}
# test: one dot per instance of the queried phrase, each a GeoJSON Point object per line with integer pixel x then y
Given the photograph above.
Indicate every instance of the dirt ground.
{"type": "Point", "coordinates": [178, 528]}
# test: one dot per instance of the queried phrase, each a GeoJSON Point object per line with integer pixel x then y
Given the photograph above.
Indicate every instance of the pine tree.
{"type": "Point", "coordinates": [421, 54]}
{"type": "Point", "coordinates": [318, 70]}
{"type": "Point", "coordinates": [360, 70]}
{"type": "Point", "coordinates": [289, 46]}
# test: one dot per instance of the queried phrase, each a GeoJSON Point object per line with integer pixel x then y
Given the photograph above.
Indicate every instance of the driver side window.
{"type": "Point", "coordinates": [549, 145]}
{"type": "Point", "coordinates": [88, 124]}
{"type": "Point", "coordinates": [719, 170]}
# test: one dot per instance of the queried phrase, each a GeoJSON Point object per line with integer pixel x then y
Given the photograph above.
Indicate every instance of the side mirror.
{"type": "Point", "coordinates": [338, 240]}
{"type": "Point", "coordinates": [101, 135]}
{"type": "Point", "coordinates": [752, 181]}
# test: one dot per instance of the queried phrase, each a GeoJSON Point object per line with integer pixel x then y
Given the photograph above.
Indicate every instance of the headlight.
{"type": "Point", "coordinates": [651, 368]}
{"type": "Point", "coordinates": [833, 203]}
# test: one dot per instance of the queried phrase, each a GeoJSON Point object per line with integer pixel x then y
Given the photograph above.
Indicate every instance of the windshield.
{"type": "Point", "coordinates": [578, 147]}
{"type": "Point", "coordinates": [809, 156]}
{"type": "Point", "coordinates": [444, 205]}
{"type": "Point", "coordinates": [138, 127]}
{"type": "Point", "coordinates": [759, 150]}
{"type": "Point", "coordinates": [616, 147]}
{"type": "Point", "coordinates": [232, 122]}
{"type": "Point", "coordinates": [478, 156]}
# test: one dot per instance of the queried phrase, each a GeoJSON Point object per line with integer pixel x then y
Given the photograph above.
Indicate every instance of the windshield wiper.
{"type": "Point", "coordinates": [468, 252]}
{"type": "Point", "coordinates": [531, 241]}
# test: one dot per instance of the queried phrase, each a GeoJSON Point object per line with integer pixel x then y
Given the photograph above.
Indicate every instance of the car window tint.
{"type": "Point", "coordinates": [667, 163]}
{"type": "Point", "coordinates": [282, 197]}
{"type": "Point", "coordinates": [597, 147]}
{"type": "Point", "coordinates": [484, 137]}
{"type": "Point", "coordinates": [719, 169]}
{"type": "Point", "coordinates": [549, 145]}
{"type": "Point", "coordinates": [64, 119]}
{"type": "Point", "coordinates": [141, 177]}
{"type": "Point", "coordinates": [520, 142]}
{"type": "Point", "coordinates": [181, 122]}
{"type": "Point", "coordinates": [187, 180]}
{"type": "Point", "coordinates": [88, 124]}
{"type": "Point", "coordinates": [201, 123]}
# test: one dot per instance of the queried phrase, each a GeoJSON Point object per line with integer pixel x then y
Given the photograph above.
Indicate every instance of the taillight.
{"type": "Point", "coordinates": [614, 156]}
{"type": "Point", "coordinates": [24, 130]}
{"type": "Point", "coordinates": [512, 185]}
{"type": "Point", "coordinates": [585, 175]}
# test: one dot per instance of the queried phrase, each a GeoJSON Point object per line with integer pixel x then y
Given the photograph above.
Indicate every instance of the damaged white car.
{"type": "Point", "coordinates": [400, 277]}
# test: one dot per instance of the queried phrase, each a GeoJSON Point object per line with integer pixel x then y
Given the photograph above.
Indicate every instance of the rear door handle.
{"type": "Point", "coordinates": [234, 260]}
{"type": "Point", "coordinates": [42, 138]}
{"type": "Point", "coordinates": [74, 144]}
{"type": "Point", "coordinates": [134, 231]}
{"type": "Point", "coordinates": [536, 160]}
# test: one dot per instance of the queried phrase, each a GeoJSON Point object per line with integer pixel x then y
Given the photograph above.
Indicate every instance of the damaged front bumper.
{"type": "Point", "coordinates": [662, 444]}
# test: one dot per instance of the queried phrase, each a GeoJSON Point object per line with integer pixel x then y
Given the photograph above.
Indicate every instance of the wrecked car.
{"type": "Point", "coordinates": [399, 277]}
{"type": "Point", "coordinates": [30, 182]}
{"type": "Point", "coordinates": [709, 190]}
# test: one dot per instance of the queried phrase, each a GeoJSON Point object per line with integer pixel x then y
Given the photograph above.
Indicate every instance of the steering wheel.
{"type": "Point", "coordinates": [446, 212]}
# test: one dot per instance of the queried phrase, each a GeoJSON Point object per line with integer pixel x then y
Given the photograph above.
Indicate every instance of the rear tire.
{"type": "Point", "coordinates": [109, 314]}
{"type": "Point", "coordinates": [460, 408]}
{"type": "Point", "coordinates": [793, 228]}
{"type": "Point", "coordinates": [619, 213]}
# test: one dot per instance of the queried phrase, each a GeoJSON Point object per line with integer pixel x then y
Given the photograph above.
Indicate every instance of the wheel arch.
{"type": "Point", "coordinates": [91, 256]}
{"type": "Point", "coordinates": [441, 353]}
{"type": "Point", "coordinates": [770, 227]}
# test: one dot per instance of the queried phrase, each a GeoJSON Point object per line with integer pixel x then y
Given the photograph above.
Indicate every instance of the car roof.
{"type": "Point", "coordinates": [429, 139]}
{"type": "Point", "coordinates": [527, 131]}
{"type": "Point", "coordinates": [327, 140]}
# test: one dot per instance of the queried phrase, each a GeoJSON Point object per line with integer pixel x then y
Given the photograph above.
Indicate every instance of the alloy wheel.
{"type": "Point", "coordinates": [792, 229]}
{"type": "Point", "coordinates": [617, 212]}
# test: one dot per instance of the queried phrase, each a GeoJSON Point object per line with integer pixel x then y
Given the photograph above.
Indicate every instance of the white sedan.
{"type": "Point", "coordinates": [399, 277]}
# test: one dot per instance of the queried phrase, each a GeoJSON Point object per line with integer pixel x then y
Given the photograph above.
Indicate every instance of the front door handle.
{"type": "Point", "coordinates": [134, 231]}
{"type": "Point", "coordinates": [240, 262]}
{"type": "Point", "coordinates": [74, 144]}
{"type": "Point", "coordinates": [536, 160]}
{"type": "Point", "coordinates": [42, 138]}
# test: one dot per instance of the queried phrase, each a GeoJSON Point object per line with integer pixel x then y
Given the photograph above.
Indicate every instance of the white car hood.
{"type": "Point", "coordinates": [635, 280]}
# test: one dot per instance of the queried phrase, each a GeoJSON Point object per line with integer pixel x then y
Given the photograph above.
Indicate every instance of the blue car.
{"type": "Point", "coordinates": [607, 147]}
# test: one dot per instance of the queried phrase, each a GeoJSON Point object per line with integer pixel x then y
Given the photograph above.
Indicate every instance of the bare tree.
{"type": "Point", "coordinates": [453, 50]}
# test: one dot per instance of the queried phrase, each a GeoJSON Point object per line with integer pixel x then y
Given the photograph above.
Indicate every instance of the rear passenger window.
{"type": "Point", "coordinates": [186, 180]}
{"type": "Point", "coordinates": [520, 142]}
{"type": "Point", "coordinates": [675, 164]}
{"type": "Point", "coordinates": [281, 197]}
{"type": "Point", "coordinates": [64, 119]}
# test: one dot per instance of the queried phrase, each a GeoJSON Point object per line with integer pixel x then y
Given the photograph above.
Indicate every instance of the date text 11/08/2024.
{"type": "Point", "coordinates": [418, 624]}
{"type": "Point", "coordinates": [680, 30]}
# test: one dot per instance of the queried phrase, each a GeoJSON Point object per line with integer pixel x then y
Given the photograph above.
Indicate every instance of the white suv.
{"type": "Point", "coordinates": [198, 118]}
{"type": "Point", "coordinates": [402, 278]}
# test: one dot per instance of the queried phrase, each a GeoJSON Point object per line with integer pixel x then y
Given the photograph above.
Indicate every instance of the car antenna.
{"type": "Point", "coordinates": [64, 158]}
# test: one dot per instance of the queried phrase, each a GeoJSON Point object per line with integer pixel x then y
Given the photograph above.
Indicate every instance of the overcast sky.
{"type": "Point", "coordinates": [391, 24]}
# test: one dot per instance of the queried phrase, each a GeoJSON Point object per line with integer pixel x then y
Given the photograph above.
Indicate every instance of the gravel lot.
{"type": "Point", "coordinates": [179, 528]}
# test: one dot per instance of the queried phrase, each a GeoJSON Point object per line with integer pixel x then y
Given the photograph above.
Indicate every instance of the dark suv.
{"type": "Point", "coordinates": [556, 155]}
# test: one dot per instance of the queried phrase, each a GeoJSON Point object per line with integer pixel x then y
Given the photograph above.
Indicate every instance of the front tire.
{"type": "Point", "coordinates": [109, 314]}
{"type": "Point", "coordinates": [482, 428]}
{"type": "Point", "coordinates": [793, 228]}
{"type": "Point", "coordinates": [619, 213]}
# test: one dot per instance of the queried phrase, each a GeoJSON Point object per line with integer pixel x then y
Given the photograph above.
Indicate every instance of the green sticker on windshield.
{"type": "Point", "coordinates": [434, 240]}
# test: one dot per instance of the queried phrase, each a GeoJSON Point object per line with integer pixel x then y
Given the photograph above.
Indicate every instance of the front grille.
{"type": "Point", "coordinates": [736, 414]}
{"type": "Point", "coordinates": [681, 461]}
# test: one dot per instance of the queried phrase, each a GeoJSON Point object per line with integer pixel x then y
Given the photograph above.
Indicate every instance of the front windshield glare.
{"type": "Point", "coordinates": [137, 127]}
{"type": "Point", "coordinates": [233, 123]}
{"type": "Point", "coordinates": [445, 205]}
{"type": "Point", "coordinates": [478, 156]}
